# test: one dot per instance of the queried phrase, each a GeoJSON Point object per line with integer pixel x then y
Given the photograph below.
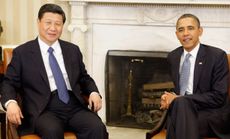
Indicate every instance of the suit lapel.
{"type": "Point", "coordinates": [37, 58]}
{"type": "Point", "coordinates": [176, 74]}
{"type": "Point", "coordinates": [199, 65]}
{"type": "Point", "coordinates": [67, 60]}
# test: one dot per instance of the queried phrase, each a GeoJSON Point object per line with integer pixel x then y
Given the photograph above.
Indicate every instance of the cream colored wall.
{"type": "Point", "coordinates": [19, 20]}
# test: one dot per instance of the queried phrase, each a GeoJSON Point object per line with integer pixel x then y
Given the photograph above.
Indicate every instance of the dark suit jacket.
{"type": "Point", "coordinates": [210, 83]}
{"type": "Point", "coordinates": [27, 72]}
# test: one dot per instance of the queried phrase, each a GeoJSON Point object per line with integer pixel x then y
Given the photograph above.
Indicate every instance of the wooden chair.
{"type": "Point", "coordinates": [159, 131]}
{"type": "Point", "coordinates": [11, 128]}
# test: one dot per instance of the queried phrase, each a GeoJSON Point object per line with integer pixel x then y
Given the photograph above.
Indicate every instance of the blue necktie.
{"type": "Point", "coordinates": [58, 77]}
{"type": "Point", "coordinates": [184, 74]}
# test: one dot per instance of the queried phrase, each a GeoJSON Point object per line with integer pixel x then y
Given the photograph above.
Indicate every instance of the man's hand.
{"type": "Point", "coordinates": [166, 99]}
{"type": "Point", "coordinates": [95, 102]}
{"type": "Point", "coordinates": [13, 113]}
{"type": "Point", "coordinates": [163, 102]}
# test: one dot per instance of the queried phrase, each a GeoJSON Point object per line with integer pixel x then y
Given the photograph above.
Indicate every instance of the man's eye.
{"type": "Point", "coordinates": [58, 24]}
{"type": "Point", "coordinates": [190, 28]}
{"type": "Point", "coordinates": [47, 23]}
{"type": "Point", "coordinates": [180, 30]}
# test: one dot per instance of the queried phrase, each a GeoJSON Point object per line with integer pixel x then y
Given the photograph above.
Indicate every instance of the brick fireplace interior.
{"type": "Point", "coordinates": [135, 81]}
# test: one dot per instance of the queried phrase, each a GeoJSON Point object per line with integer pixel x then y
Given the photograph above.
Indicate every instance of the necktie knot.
{"type": "Point", "coordinates": [186, 57]}
{"type": "Point", "coordinates": [50, 50]}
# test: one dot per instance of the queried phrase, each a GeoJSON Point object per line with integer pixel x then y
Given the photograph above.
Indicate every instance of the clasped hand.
{"type": "Point", "coordinates": [166, 100]}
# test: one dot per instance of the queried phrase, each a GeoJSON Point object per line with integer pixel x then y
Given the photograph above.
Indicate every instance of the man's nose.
{"type": "Point", "coordinates": [186, 32]}
{"type": "Point", "coordinates": [52, 27]}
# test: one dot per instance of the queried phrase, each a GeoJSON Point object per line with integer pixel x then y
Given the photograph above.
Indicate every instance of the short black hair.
{"type": "Point", "coordinates": [53, 8]}
{"type": "Point", "coordinates": [188, 15]}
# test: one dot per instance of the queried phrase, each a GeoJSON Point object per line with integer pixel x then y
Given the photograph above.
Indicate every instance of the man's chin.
{"type": "Point", "coordinates": [52, 40]}
{"type": "Point", "coordinates": [188, 47]}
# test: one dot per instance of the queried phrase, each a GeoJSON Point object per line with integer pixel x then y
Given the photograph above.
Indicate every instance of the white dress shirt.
{"type": "Point", "coordinates": [58, 55]}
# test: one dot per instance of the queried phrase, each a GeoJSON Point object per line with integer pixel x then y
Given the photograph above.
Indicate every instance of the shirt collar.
{"type": "Point", "coordinates": [44, 47]}
{"type": "Point", "coordinates": [193, 52]}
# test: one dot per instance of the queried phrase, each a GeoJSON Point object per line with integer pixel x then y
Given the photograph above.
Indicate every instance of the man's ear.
{"type": "Point", "coordinates": [201, 31]}
{"type": "Point", "coordinates": [176, 33]}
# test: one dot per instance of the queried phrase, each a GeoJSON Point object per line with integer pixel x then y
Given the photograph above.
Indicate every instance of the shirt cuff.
{"type": "Point", "coordinates": [95, 93]}
{"type": "Point", "coordinates": [9, 101]}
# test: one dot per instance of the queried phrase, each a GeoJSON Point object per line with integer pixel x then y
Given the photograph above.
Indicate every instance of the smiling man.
{"type": "Point", "coordinates": [52, 76]}
{"type": "Point", "coordinates": [200, 75]}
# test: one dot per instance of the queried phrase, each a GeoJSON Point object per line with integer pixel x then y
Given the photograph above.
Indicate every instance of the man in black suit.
{"type": "Point", "coordinates": [44, 111]}
{"type": "Point", "coordinates": [206, 86]}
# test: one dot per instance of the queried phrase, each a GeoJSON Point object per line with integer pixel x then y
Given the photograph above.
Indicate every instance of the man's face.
{"type": "Point", "coordinates": [50, 27]}
{"type": "Point", "coordinates": [188, 33]}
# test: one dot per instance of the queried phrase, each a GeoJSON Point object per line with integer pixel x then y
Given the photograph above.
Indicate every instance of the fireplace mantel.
{"type": "Point", "coordinates": [202, 2]}
{"type": "Point", "coordinates": [97, 26]}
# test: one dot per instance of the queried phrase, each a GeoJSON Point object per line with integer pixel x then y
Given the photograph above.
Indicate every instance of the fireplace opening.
{"type": "Point", "coordinates": [134, 82]}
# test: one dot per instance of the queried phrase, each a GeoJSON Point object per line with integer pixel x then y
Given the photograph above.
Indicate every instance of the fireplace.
{"type": "Point", "coordinates": [135, 81]}
{"type": "Point", "coordinates": [98, 26]}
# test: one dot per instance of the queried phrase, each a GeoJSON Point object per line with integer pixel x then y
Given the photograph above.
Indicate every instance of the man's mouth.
{"type": "Point", "coordinates": [186, 40]}
{"type": "Point", "coordinates": [51, 34]}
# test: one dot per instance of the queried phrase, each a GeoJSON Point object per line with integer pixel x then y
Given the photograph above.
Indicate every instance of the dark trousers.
{"type": "Point", "coordinates": [59, 117]}
{"type": "Point", "coordinates": [185, 121]}
{"type": "Point", "coordinates": [220, 122]}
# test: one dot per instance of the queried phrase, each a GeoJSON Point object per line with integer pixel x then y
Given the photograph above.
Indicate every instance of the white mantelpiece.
{"type": "Point", "coordinates": [101, 25]}
{"type": "Point", "coordinates": [207, 2]}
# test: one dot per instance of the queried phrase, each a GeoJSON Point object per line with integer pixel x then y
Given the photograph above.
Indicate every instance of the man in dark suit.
{"type": "Point", "coordinates": [205, 87]}
{"type": "Point", "coordinates": [44, 110]}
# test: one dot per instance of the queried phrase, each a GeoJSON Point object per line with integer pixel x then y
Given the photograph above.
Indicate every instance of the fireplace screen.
{"type": "Point", "coordinates": [135, 81]}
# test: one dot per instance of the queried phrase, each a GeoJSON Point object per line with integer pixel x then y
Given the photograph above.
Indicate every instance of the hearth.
{"type": "Point", "coordinates": [135, 81]}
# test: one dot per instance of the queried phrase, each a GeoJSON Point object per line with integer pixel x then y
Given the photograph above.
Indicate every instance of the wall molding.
{"type": "Point", "coordinates": [221, 3]}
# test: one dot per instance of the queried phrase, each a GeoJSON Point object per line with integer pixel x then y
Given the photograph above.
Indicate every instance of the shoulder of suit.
{"type": "Point", "coordinates": [70, 47]}
{"type": "Point", "coordinates": [27, 45]}
{"type": "Point", "coordinates": [66, 43]}
{"type": "Point", "coordinates": [176, 51]}
{"type": "Point", "coordinates": [212, 49]}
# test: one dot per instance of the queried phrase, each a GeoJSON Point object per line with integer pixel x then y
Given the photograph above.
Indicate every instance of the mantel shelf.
{"type": "Point", "coordinates": [192, 2]}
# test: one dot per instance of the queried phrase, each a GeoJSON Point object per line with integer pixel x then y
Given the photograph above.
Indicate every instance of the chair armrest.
{"type": "Point", "coordinates": [12, 131]}
{"type": "Point", "coordinates": [160, 126]}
